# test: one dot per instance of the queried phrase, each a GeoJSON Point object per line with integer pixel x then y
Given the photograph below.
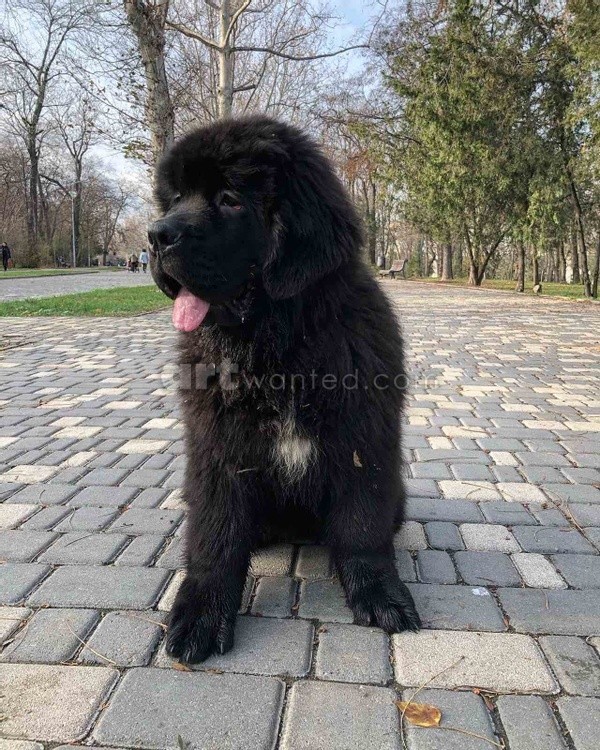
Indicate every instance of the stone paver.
{"type": "Point", "coordinates": [537, 571]}
{"type": "Point", "coordinates": [147, 521]}
{"type": "Point", "coordinates": [274, 596]}
{"type": "Point", "coordinates": [13, 515]}
{"type": "Point", "coordinates": [435, 566]}
{"type": "Point", "coordinates": [324, 600]}
{"type": "Point", "coordinates": [462, 711]}
{"type": "Point", "coordinates": [350, 653]}
{"type": "Point", "coordinates": [488, 537]}
{"type": "Point", "coordinates": [503, 505]}
{"type": "Point", "coordinates": [10, 619]}
{"type": "Point", "coordinates": [124, 639]}
{"type": "Point", "coordinates": [487, 569]}
{"type": "Point", "coordinates": [51, 703]}
{"type": "Point", "coordinates": [529, 723]}
{"type": "Point", "coordinates": [79, 547]}
{"type": "Point", "coordinates": [582, 719]}
{"type": "Point", "coordinates": [23, 546]}
{"type": "Point", "coordinates": [330, 716]}
{"type": "Point", "coordinates": [457, 607]}
{"type": "Point", "coordinates": [265, 646]}
{"type": "Point", "coordinates": [579, 571]}
{"type": "Point", "coordinates": [552, 540]}
{"type": "Point", "coordinates": [51, 636]}
{"type": "Point", "coordinates": [273, 561]}
{"type": "Point", "coordinates": [152, 707]}
{"type": "Point", "coordinates": [17, 579]}
{"type": "Point", "coordinates": [557, 612]}
{"type": "Point", "coordinates": [501, 662]}
{"type": "Point", "coordinates": [575, 664]}
{"type": "Point", "coordinates": [102, 586]}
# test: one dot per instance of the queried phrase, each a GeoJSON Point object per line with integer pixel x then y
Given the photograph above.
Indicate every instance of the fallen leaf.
{"type": "Point", "coordinates": [181, 667]}
{"type": "Point", "coordinates": [420, 714]}
{"type": "Point", "coordinates": [356, 460]}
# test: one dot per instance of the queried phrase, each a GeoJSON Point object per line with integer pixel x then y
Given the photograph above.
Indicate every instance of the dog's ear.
{"type": "Point", "coordinates": [315, 227]}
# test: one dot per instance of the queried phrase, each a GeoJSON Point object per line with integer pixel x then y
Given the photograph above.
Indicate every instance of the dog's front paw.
{"type": "Point", "coordinates": [389, 607]}
{"type": "Point", "coordinates": [201, 624]}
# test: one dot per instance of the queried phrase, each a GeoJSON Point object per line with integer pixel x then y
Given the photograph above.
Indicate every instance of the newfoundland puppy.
{"type": "Point", "coordinates": [291, 374]}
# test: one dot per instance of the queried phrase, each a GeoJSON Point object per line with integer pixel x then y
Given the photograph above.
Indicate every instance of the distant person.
{"type": "Point", "coordinates": [144, 260]}
{"type": "Point", "coordinates": [133, 262]}
{"type": "Point", "coordinates": [6, 255]}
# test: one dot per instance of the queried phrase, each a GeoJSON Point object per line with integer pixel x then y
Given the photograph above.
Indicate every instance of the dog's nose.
{"type": "Point", "coordinates": [162, 235]}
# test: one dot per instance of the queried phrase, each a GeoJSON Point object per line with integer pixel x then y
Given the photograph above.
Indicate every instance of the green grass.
{"type": "Point", "coordinates": [101, 302]}
{"type": "Point", "coordinates": [569, 291]}
{"type": "Point", "coordinates": [28, 273]}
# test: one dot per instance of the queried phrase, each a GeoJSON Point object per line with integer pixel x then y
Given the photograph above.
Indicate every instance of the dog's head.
{"type": "Point", "coordinates": [245, 202]}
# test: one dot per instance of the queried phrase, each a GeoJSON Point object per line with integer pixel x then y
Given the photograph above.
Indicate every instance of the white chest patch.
{"type": "Point", "coordinates": [293, 452]}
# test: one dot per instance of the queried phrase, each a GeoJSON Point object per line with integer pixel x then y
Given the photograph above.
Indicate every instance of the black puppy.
{"type": "Point", "coordinates": [293, 374]}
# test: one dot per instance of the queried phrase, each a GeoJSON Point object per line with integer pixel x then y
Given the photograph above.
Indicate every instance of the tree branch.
{"type": "Point", "coordinates": [234, 20]}
{"type": "Point", "coordinates": [277, 53]}
{"type": "Point", "coordinates": [186, 31]}
{"type": "Point", "coordinates": [56, 182]}
{"type": "Point", "coordinates": [249, 87]}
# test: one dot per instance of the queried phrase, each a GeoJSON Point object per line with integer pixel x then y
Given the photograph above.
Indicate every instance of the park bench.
{"type": "Point", "coordinates": [397, 267]}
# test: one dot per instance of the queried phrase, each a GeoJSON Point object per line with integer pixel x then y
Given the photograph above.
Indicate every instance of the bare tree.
{"type": "Point", "coordinates": [233, 26]}
{"type": "Point", "coordinates": [32, 70]}
{"type": "Point", "coordinates": [104, 204]}
{"type": "Point", "coordinates": [76, 125]}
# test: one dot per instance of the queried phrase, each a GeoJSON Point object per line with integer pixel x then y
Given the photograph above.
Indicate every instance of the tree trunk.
{"type": "Point", "coordinates": [147, 21]}
{"type": "Point", "coordinates": [459, 259]}
{"type": "Point", "coordinates": [370, 221]}
{"type": "Point", "coordinates": [535, 267]}
{"type": "Point", "coordinates": [76, 228]}
{"type": "Point", "coordinates": [583, 255]}
{"type": "Point", "coordinates": [475, 274]}
{"type": "Point", "coordinates": [583, 266]}
{"type": "Point", "coordinates": [225, 95]}
{"type": "Point", "coordinates": [521, 268]}
{"type": "Point", "coordinates": [32, 256]}
{"type": "Point", "coordinates": [596, 272]}
{"type": "Point", "coordinates": [447, 274]}
{"type": "Point", "coordinates": [562, 263]}
{"type": "Point", "coordinates": [576, 279]}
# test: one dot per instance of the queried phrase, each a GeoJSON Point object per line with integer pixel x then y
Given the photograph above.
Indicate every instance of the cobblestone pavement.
{"type": "Point", "coordinates": [501, 550]}
{"type": "Point", "coordinates": [49, 286]}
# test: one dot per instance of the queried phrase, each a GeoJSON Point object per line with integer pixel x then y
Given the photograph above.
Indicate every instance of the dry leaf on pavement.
{"type": "Point", "coordinates": [420, 714]}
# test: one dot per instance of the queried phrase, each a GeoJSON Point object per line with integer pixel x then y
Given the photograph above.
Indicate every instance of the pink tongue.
{"type": "Point", "coordinates": [188, 311]}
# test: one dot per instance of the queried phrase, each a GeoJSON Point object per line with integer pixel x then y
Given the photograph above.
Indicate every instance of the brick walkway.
{"type": "Point", "coordinates": [501, 549]}
{"type": "Point", "coordinates": [49, 286]}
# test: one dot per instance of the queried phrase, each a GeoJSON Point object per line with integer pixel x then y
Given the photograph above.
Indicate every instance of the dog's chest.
{"type": "Point", "coordinates": [293, 451]}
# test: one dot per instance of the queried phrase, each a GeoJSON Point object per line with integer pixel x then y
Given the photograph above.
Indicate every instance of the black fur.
{"type": "Point", "coordinates": [256, 222]}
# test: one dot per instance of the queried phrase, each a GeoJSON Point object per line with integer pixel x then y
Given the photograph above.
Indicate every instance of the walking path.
{"type": "Point", "coordinates": [49, 286]}
{"type": "Point", "coordinates": [501, 549]}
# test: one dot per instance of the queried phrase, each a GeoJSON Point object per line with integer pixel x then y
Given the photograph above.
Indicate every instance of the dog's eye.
{"type": "Point", "coordinates": [175, 199]}
{"type": "Point", "coordinates": [229, 200]}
